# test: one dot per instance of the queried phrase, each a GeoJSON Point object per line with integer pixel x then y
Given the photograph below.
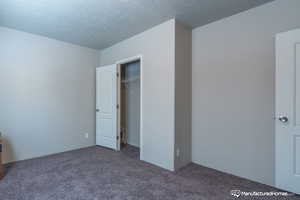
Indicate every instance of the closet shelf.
{"type": "Point", "coordinates": [135, 78]}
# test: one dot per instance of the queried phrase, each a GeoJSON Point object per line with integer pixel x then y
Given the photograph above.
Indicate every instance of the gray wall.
{"type": "Point", "coordinates": [233, 90]}
{"type": "Point", "coordinates": [130, 103]}
{"type": "Point", "coordinates": [157, 48]}
{"type": "Point", "coordinates": [183, 80]}
{"type": "Point", "coordinates": [47, 92]}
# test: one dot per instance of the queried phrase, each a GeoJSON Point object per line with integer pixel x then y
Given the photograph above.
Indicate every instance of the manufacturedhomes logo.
{"type": "Point", "coordinates": [239, 193]}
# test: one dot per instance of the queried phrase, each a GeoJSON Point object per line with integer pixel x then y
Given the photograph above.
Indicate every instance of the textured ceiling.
{"type": "Point", "coordinates": [101, 23]}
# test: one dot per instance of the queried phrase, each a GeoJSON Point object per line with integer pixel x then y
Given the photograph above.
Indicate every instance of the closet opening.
{"type": "Point", "coordinates": [129, 111]}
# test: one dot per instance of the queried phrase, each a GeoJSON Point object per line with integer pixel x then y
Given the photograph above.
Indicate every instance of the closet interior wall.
{"type": "Point", "coordinates": [130, 104]}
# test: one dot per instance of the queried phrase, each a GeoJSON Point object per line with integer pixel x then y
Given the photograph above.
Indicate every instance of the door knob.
{"type": "Point", "coordinates": [97, 110]}
{"type": "Point", "coordinates": [283, 119]}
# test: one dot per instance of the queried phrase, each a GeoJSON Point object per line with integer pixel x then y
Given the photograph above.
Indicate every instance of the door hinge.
{"type": "Point", "coordinates": [118, 74]}
{"type": "Point", "coordinates": [118, 106]}
{"type": "Point", "coordinates": [117, 137]}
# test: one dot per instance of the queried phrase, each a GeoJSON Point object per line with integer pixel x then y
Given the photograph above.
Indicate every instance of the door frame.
{"type": "Point", "coordinates": [119, 63]}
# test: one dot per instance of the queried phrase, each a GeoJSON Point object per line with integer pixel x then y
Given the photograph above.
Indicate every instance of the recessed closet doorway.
{"type": "Point", "coordinates": [118, 106]}
{"type": "Point", "coordinates": [129, 106]}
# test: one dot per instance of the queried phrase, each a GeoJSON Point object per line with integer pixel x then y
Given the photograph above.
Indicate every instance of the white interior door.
{"type": "Point", "coordinates": [288, 111]}
{"type": "Point", "coordinates": [106, 106]}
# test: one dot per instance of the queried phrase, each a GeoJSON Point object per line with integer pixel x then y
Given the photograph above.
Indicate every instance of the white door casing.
{"type": "Point", "coordinates": [288, 111]}
{"type": "Point", "coordinates": [106, 106]}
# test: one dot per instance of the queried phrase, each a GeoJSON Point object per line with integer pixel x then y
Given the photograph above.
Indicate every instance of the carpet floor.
{"type": "Point", "coordinates": [97, 173]}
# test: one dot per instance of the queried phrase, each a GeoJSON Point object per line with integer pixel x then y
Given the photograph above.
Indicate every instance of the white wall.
{"type": "Point", "coordinates": [47, 99]}
{"type": "Point", "coordinates": [233, 90]}
{"type": "Point", "coordinates": [157, 48]}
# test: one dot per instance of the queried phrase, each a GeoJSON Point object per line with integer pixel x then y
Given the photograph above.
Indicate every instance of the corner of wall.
{"type": "Point", "coordinates": [182, 150]}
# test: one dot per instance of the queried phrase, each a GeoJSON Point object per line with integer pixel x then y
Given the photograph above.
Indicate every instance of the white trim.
{"type": "Point", "coordinates": [119, 108]}
{"type": "Point", "coordinates": [119, 63]}
{"type": "Point", "coordinates": [130, 59]}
